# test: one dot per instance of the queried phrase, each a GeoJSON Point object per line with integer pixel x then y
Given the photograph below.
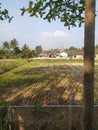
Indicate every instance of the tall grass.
{"type": "Point", "coordinates": [6, 65]}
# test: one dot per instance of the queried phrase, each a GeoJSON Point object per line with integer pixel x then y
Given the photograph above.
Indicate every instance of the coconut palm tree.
{"type": "Point", "coordinates": [6, 48]}
{"type": "Point", "coordinates": [14, 47]}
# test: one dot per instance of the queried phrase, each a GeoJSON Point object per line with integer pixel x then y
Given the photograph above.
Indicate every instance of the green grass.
{"type": "Point", "coordinates": [46, 77]}
{"type": "Point", "coordinates": [46, 82]}
{"type": "Point", "coordinates": [6, 65]}
{"type": "Point", "coordinates": [62, 61]}
{"type": "Point", "coordinates": [40, 75]}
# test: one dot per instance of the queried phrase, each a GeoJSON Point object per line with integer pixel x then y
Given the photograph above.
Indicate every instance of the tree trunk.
{"type": "Point", "coordinates": [89, 48]}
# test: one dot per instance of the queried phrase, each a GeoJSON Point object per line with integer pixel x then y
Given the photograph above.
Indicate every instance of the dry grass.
{"type": "Point", "coordinates": [45, 82]}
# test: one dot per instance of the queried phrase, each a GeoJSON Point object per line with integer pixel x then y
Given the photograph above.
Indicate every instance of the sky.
{"type": "Point", "coordinates": [36, 31]}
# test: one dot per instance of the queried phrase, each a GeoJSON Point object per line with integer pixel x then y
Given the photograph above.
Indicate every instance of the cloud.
{"type": "Point", "coordinates": [61, 34]}
{"type": "Point", "coordinates": [53, 39]}
{"type": "Point", "coordinates": [55, 34]}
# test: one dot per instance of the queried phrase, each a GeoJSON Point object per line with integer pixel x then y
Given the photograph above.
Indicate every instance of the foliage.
{"type": "Point", "coordinates": [38, 50]}
{"type": "Point", "coordinates": [2, 53]}
{"type": "Point", "coordinates": [4, 14]}
{"type": "Point", "coordinates": [11, 50]}
{"type": "Point", "coordinates": [49, 118]}
{"type": "Point", "coordinates": [26, 52]}
{"type": "Point", "coordinates": [4, 121]}
{"type": "Point", "coordinates": [70, 12]}
{"type": "Point", "coordinates": [6, 65]}
{"type": "Point", "coordinates": [73, 48]}
{"type": "Point", "coordinates": [14, 47]}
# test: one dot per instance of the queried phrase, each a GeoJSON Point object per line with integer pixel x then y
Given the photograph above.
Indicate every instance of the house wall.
{"type": "Point", "coordinates": [79, 56]}
{"type": "Point", "coordinates": [96, 56]}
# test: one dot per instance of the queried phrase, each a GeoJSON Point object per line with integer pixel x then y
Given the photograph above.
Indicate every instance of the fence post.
{"type": "Point", "coordinates": [10, 117]}
{"type": "Point", "coordinates": [70, 117]}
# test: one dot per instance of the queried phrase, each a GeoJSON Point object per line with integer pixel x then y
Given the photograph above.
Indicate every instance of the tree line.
{"type": "Point", "coordinates": [12, 50]}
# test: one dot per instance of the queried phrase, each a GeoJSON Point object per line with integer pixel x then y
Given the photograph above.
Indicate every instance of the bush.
{"type": "Point", "coordinates": [4, 121]}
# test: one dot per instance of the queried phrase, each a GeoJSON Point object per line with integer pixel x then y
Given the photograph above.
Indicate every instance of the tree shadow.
{"type": "Point", "coordinates": [57, 84]}
{"type": "Point", "coordinates": [50, 85]}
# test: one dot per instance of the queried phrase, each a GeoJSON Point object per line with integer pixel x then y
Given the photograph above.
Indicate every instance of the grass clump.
{"type": "Point", "coordinates": [7, 65]}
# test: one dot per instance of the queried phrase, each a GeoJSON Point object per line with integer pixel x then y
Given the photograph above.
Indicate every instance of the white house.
{"type": "Point", "coordinates": [63, 55]}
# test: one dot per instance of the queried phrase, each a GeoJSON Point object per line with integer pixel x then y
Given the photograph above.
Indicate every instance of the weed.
{"type": "Point", "coordinates": [4, 121]}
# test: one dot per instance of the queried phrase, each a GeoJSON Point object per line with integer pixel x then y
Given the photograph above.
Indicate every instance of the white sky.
{"type": "Point", "coordinates": [35, 31]}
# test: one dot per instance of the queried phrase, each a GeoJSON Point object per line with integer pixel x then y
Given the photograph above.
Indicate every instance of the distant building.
{"type": "Point", "coordinates": [96, 53]}
{"type": "Point", "coordinates": [76, 54]}
{"type": "Point", "coordinates": [63, 55]}
{"type": "Point", "coordinates": [58, 53]}
{"type": "Point", "coordinates": [50, 53]}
